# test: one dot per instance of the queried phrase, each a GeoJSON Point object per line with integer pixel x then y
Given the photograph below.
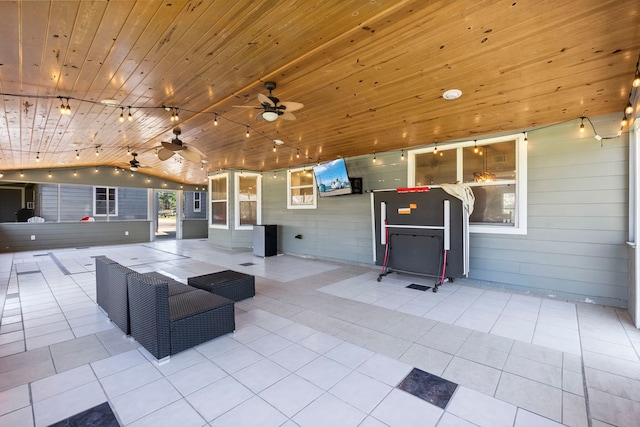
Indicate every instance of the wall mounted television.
{"type": "Point", "coordinates": [332, 178]}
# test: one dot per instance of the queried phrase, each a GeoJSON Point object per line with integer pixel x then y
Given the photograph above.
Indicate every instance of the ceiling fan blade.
{"type": "Point", "coordinates": [292, 106]}
{"type": "Point", "coordinates": [247, 106]}
{"type": "Point", "coordinates": [171, 147]}
{"type": "Point", "coordinates": [287, 116]}
{"type": "Point", "coordinates": [265, 99]}
{"type": "Point", "coordinates": [192, 148]}
{"type": "Point", "coordinates": [190, 155]}
{"type": "Point", "coordinates": [164, 154]}
{"type": "Point", "coordinates": [259, 117]}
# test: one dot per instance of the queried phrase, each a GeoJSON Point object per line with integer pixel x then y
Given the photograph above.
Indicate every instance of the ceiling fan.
{"type": "Point", "coordinates": [134, 164]}
{"type": "Point", "coordinates": [273, 108]}
{"type": "Point", "coordinates": [168, 149]}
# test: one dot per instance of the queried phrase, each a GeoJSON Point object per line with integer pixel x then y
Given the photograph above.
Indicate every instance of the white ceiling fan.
{"type": "Point", "coordinates": [272, 107]}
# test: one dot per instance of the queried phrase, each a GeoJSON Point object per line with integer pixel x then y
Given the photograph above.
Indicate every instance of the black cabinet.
{"type": "Point", "coordinates": [265, 240]}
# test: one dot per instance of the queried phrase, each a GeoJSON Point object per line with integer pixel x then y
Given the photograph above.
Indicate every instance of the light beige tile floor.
{"type": "Point", "coordinates": [320, 344]}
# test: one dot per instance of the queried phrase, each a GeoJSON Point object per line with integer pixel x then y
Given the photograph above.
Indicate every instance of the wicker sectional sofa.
{"type": "Point", "coordinates": [162, 314]}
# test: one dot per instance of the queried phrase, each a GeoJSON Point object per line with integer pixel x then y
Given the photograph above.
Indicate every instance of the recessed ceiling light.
{"type": "Point", "coordinates": [452, 94]}
{"type": "Point", "coordinates": [109, 101]}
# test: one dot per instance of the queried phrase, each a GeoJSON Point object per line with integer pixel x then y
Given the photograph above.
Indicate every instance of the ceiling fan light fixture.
{"type": "Point", "coordinates": [270, 116]}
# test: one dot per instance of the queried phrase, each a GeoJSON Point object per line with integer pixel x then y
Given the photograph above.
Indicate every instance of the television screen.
{"type": "Point", "coordinates": [332, 178]}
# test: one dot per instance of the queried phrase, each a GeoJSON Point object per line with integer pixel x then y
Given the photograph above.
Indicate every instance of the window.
{"type": "Point", "coordinates": [196, 202]}
{"type": "Point", "coordinates": [219, 190]}
{"type": "Point", "coordinates": [105, 201]}
{"type": "Point", "coordinates": [496, 171]}
{"type": "Point", "coordinates": [301, 189]}
{"type": "Point", "coordinates": [248, 204]}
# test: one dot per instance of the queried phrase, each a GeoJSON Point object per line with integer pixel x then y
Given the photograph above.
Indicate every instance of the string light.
{"type": "Point", "coordinates": [526, 138]}
{"type": "Point", "coordinates": [274, 147]}
{"type": "Point", "coordinates": [38, 157]}
{"type": "Point", "coordinates": [75, 173]}
{"type": "Point", "coordinates": [130, 117]}
{"type": "Point", "coordinates": [77, 154]}
{"type": "Point", "coordinates": [274, 174]}
{"type": "Point", "coordinates": [374, 157]}
{"type": "Point", "coordinates": [629, 109]}
{"type": "Point", "coordinates": [298, 153]}
{"type": "Point", "coordinates": [435, 149]}
{"type": "Point", "coordinates": [623, 122]}
{"type": "Point", "coordinates": [98, 150]}
{"type": "Point", "coordinates": [475, 146]}
{"type": "Point", "coordinates": [121, 118]}
{"type": "Point", "coordinates": [1, 174]}
{"type": "Point", "coordinates": [581, 124]}
{"type": "Point", "coordinates": [402, 155]}
{"type": "Point", "coordinates": [215, 119]}
{"type": "Point", "coordinates": [49, 174]}
{"type": "Point", "coordinates": [21, 174]}
{"type": "Point", "coordinates": [247, 135]}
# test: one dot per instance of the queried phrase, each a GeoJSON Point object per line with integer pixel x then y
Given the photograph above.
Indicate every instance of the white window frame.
{"type": "Point", "coordinates": [197, 201]}
{"type": "Point", "coordinates": [115, 201]}
{"type": "Point", "coordinates": [290, 187]}
{"type": "Point", "coordinates": [236, 195]}
{"type": "Point", "coordinates": [520, 224]}
{"type": "Point", "coordinates": [212, 200]}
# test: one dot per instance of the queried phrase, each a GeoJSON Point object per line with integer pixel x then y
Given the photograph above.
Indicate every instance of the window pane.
{"type": "Point", "coordinates": [248, 186]}
{"type": "Point", "coordinates": [248, 212]}
{"type": "Point", "coordinates": [101, 207]}
{"type": "Point", "coordinates": [219, 189]}
{"type": "Point", "coordinates": [300, 178]}
{"type": "Point", "coordinates": [219, 213]}
{"type": "Point", "coordinates": [489, 163]}
{"type": "Point", "coordinates": [302, 196]}
{"type": "Point", "coordinates": [495, 204]}
{"type": "Point", "coordinates": [438, 168]}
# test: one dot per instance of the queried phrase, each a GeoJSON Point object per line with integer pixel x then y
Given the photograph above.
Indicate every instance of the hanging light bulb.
{"type": "Point", "coordinates": [402, 155]}
{"type": "Point", "coordinates": [21, 174]}
{"type": "Point", "coordinates": [636, 80]}
{"type": "Point", "coordinates": [298, 154]}
{"type": "Point", "coordinates": [215, 120]}
{"type": "Point", "coordinates": [274, 174]}
{"type": "Point", "coordinates": [581, 124]}
{"type": "Point", "coordinates": [77, 154]}
{"type": "Point", "coordinates": [49, 174]}
{"type": "Point", "coordinates": [95, 169]}
{"type": "Point", "coordinates": [63, 110]}
{"type": "Point", "coordinates": [175, 114]}
{"type": "Point", "coordinates": [156, 152]}
{"type": "Point", "coordinates": [526, 138]}
{"type": "Point", "coordinates": [629, 109]}
{"type": "Point", "coordinates": [435, 149]}
{"type": "Point", "coordinates": [38, 157]}
{"type": "Point", "coordinates": [121, 118]}
{"type": "Point", "coordinates": [374, 157]}
{"type": "Point", "coordinates": [97, 151]}
{"type": "Point", "coordinates": [75, 173]}
{"type": "Point", "coordinates": [1, 174]}
{"type": "Point", "coordinates": [475, 147]}
{"type": "Point", "coordinates": [623, 122]}
{"type": "Point", "coordinates": [247, 135]}
{"type": "Point", "coordinates": [130, 116]}
{"type": "Point", "coordinates": [67, 109]}
{"type": "Point", "coordinates": [274, 147]}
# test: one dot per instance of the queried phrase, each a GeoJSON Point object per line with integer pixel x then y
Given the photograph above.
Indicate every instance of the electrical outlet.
{"type": "Point", "coordinates": [33, 237]}
{"type": "Point", "coordinates": [126, 233]}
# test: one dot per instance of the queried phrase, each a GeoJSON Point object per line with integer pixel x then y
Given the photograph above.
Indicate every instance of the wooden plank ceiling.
{"type": "Point", "coordinates": [370, 74]}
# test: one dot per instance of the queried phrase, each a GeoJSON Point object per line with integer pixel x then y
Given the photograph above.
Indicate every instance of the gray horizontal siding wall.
{"type": "Point", "coordinates": [340, 228]}
{"type": "Point", "coordinates": [194, 229]}
{"type": "Point", "coordinates": [76, 202]}
{"type": "Point", "coordinates": [16, 237]}
{"type": "Point", "coordinates": [577, 220]}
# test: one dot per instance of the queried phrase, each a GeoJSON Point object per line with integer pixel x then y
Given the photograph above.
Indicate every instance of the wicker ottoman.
{"type": "Point", "coordinates": [228, 283]}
